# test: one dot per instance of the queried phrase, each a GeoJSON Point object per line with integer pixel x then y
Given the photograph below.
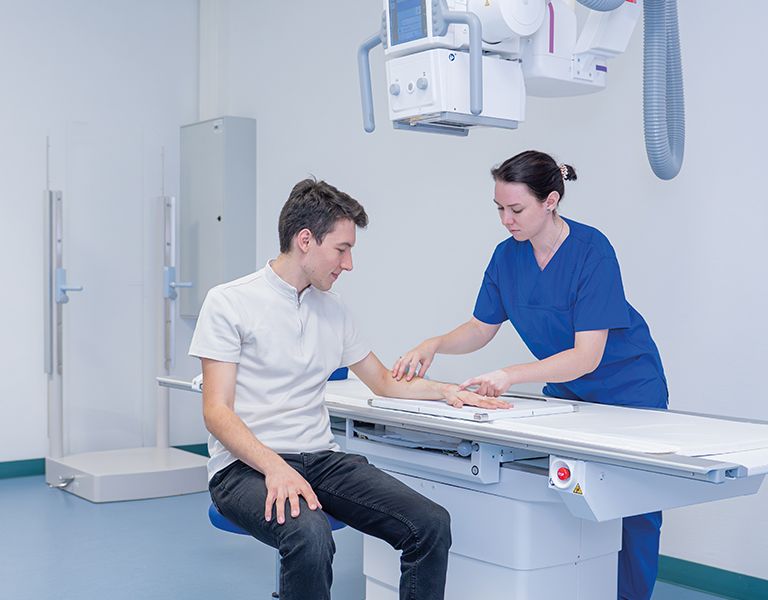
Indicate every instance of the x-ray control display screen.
{"type": "Point", "coordinates": [407, 20]}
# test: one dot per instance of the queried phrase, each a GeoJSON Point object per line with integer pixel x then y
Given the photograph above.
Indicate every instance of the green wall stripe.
{"type": "Point", "coordinates": [201, 449]}
{"type": "Point", "coordinates": [711, 579]}
{"type": "Point", "coordinates": [22, 468]}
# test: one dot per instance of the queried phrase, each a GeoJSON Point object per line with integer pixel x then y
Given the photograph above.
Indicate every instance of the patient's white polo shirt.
{"type": "Point", "coordinates": [286, 345]}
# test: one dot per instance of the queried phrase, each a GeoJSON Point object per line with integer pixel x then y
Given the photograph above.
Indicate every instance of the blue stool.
{"type": "Point", "coordinates": [339, 374]}
{"type": "Point", "coordinates": [219, 521]}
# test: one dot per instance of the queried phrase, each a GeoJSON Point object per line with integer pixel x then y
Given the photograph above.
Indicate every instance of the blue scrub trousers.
{"type": "Point", "coordinates": [639, 556]}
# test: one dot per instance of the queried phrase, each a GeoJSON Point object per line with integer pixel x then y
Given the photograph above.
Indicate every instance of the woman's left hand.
{"type": "Point", "coordinates": [491, 384]}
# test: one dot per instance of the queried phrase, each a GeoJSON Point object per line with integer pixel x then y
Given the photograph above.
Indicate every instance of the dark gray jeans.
{"type": "Point", "coordinates": [352, 491]}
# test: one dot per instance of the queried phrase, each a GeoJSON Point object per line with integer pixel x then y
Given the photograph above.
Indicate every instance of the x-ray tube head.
{"type": "Point", "coordinates": [456, 64]}
{"type": "Point", "coordinates": [504, 20]}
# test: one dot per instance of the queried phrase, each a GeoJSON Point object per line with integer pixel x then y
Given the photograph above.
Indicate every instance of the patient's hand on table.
{"type": "Point", "coordinates": [458, 398]}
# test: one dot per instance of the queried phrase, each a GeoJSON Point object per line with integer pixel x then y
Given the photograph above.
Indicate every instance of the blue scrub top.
{"type": "Point", "coordinates": [580, 289]}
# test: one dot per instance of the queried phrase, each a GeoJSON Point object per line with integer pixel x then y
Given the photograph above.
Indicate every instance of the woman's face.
{"type": "Point", "coordinates": [521, 212]}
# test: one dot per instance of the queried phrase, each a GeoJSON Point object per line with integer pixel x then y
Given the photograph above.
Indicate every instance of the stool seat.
{"type": "Point", "coordinates": [334, 523]}
{"type": "Point", "coordinates": [219, 521]}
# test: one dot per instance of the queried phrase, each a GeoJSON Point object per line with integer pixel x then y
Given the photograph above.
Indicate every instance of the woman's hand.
{"type": "Point", "coordinates": [491, 384]}
{"type": "Point", "coordinates": [416, 361]}
{"type": "Point", "coordinates": [457, 398]}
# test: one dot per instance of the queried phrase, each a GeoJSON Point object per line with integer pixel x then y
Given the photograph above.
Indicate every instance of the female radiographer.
{"type": "Point", "coordinates": [558, 282]}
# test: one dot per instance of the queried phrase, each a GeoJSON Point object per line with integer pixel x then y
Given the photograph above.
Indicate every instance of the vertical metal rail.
{"type": "Point", "coordinates": [169, 326]}
{"type": "Point", "coordinates": [55, 290]}
{"type": "Point", "coordinates": [169, 261]}
{"type": "Point", "coordinates": [169, 309]}
{"type": "Point", "coordinates": [53, 363]}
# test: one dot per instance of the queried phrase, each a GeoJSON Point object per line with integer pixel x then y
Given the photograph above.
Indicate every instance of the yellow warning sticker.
{"type": "Point", "coordinates": [578, 490]}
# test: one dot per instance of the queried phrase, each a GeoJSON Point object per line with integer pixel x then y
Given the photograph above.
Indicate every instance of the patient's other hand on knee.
{"type": "Point", "coordinates": [285, 483]}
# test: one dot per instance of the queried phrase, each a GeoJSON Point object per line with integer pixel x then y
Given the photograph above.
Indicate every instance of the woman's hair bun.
{"type": "Point", "coordinates": [569, 173]}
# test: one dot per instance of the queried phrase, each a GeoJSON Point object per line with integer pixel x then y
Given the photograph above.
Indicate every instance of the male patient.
{"type": "Point", "coordinates": [268, 343]}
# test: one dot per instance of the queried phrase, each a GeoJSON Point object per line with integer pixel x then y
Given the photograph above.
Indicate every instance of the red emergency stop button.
{"type": "Point", "coordinates": [563, 473]}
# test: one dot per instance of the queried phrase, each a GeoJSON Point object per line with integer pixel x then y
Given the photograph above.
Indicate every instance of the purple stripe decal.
{"type": "Point", "coordinates": [602, 68]}
{"type": "Point", "coordinates": [551, 29]}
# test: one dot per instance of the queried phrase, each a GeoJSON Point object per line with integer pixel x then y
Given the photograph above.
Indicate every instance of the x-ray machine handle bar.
{"type": "Point", "coordinates": [364, 75]}
{"type": "Point", "coordinates": [475, 62]}
{"type": "Point", "coordinates": [475, 55]}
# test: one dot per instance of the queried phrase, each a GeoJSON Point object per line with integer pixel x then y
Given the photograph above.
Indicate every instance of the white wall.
{"type": "Point", "coordinates": [691, 250]}
{"type": "Point", "coordinates": [109, 82]}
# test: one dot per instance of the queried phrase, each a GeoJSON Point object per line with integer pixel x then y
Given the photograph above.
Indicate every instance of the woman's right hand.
{"type": "Point", "coordinates": [415, 362]}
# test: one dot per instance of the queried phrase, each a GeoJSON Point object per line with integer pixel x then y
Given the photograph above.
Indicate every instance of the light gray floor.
{"type": "Point", "coordinates": [58, 546]}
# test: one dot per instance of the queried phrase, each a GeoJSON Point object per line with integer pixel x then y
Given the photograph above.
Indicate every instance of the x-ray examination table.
{"type": "Point", "coordinates": [536, 499]}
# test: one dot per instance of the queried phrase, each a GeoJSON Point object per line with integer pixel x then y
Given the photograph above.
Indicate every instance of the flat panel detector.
{"type": "Point", "coordinates": [521, 408]}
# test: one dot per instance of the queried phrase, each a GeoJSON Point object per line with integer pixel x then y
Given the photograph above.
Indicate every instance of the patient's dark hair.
{"type": "Point", "coordinates": [538, 171]}
{"type": "Point", "coordinates": [316, 205]}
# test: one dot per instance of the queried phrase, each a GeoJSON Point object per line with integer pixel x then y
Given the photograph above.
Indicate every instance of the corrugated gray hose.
{"type": "Point", "coordinates": [663, 102]}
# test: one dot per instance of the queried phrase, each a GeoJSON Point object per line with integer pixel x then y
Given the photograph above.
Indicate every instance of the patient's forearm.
{"type": "Point", "coordinates": [230, 430]}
